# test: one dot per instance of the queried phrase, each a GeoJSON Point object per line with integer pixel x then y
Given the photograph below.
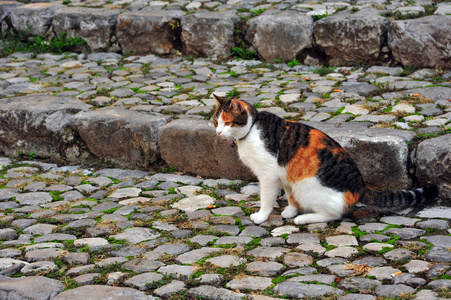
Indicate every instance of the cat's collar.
{"type": "Point", "coordinates": [253, 122]}
{"type": "Point", "coordinates": [232, 144]}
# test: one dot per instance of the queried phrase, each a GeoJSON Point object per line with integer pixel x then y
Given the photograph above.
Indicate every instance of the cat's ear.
{"type": "Point", "coordinates": [220, 100]}
{"type": "Point", "coordinates": [237, 105]}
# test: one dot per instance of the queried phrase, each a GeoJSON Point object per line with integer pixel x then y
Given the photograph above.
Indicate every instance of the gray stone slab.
{"type": "Point", "coordinates": [325, 279]}
{"type": "Point", "coordinates": [177, 271]}
{"type": "Point", "coordinates": [294, 259]}
{"type": "Point", "coordinates": [172, 249]}
{"type": "Point", "coordinates": [434, 224]}
{"type": "Point", "coordinates": [249, 282]}
{"type": "Point", "coordinates": [225, 261]}
{"type": "Point", "coordinates": [136, 235]}
{"type": "Point", "coordinates": [229, 240]}
{"type": "Point", "coordinates": [229, 229]}
{"type": "Point", "coordinates": [170, 288]}
{"type": "Point", "coordinates": [46, 116]}
{"type": "Point", "coordinates": [55, 237]}
{"type": "Point", "coordinates": [140, 265]}
{"type": "Point", "coordinates": [264, 268]}
{"type": "Point", "coordinates": [23, 288]}
{"type": "Point", "coordinates": [406, 233]}
{"type": "Point", "coordinates": [301, 290]}
{"type": "Point", "coordinates": [103, 291]}
{"type": "Point", "coordinates": [195, 255]}
{"type": "Point", "coordinates": [121, 174]}
{"type": "Point", "coordinates": [439, 254]}
{"type": "Point", "coordinates": [142, 281]}
{"type": "Point", "coordinates": [391, 291]}
{"type": "Point", "coordinates": [8, 193]}
{"type": "Point", "coordinates": [210, 292]}
{"type": "Point", "coordinates": [36, 198]}
{"type": "Point", "coordinates": [439, 240]}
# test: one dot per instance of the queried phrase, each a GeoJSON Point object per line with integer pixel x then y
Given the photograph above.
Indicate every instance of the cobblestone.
{"type": "Point", "coordinates": [158, 224]}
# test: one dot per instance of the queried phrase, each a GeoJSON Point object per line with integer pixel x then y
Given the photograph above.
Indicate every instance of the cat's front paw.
{"type": "Point", "coordinates": [258, 218]}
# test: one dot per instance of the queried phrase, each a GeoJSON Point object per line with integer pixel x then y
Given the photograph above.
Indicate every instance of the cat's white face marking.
{"type": "Point", "coordinates": [223, 128]}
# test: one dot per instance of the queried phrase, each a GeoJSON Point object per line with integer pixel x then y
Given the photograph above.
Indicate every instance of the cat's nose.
{"type": "Point", "coordinates": [218, 132]}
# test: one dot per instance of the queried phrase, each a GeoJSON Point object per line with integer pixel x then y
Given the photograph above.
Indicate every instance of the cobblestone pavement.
{"type": "Point", "coordinates": [166, 235]}
{"type": "Point", "coordinates": [377, 96]}
{"type": "Point", "coordinates": [134, 233]}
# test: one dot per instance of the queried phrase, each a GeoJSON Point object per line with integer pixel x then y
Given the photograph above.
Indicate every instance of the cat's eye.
{"type": "Point", "coordinates": [228, 123]}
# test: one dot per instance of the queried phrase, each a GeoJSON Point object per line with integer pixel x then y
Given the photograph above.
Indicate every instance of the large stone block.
{"type": "Point", "coordinates": [127, 136]}
{"type": "Point", "coordinates": [96, 26]}
{"type": "Point", "coordinates": [208, 34]}
{"type": "Point", "coordinates": [381, 154]}
{"type": "Point", "coordinates": [35, 18]}
{"type": "Point", "coordinates": [39, 123]}
{"type": "Point", "coordinates": [6, 7]}
{"type": "Point", "coordinates": [422, 42]}
{"type": "Point", "coordinates": [193, 146]}
{"type": "Point", "coordinates": [347, 37]}
{"type": "Point", "coordinates": [433, 163]}
{"type": "Point", "coordinates": [149, 31]}
{"type": "Point", "coordinates": [280, 37]}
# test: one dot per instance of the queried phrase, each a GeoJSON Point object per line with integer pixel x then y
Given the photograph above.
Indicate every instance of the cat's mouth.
{"type": "Point", "coordinates": [232, 142]}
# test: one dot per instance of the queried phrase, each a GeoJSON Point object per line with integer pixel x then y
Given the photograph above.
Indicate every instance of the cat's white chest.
{"type": "Point", "coordinates": [253, 153]}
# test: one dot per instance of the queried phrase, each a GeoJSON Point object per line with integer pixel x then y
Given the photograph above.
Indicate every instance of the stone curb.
{"type": "Point", "coordinates": [64, 129]}
{"type": "Point", "coordinates": [358, 35]}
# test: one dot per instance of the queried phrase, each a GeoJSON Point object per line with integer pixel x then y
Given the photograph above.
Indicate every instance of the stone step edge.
{"type": "Point", "coordinates": [191, 145]}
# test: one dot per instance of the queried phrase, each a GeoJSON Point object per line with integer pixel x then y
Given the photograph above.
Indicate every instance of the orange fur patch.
{"type": "Point", "coordinates": [351, 198]}
{"type": "Point", "coordinates": [227, 117]}
{"type": "Point", "coordinates": [338, 151]}
{"type": "Point", "coordinates": [293, 202]}
{"type": "Point", "coordinates": [305, 163]}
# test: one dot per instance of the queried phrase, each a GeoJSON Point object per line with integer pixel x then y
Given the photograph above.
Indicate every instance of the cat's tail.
{"type": "Point", "coordinates": [398, 199]}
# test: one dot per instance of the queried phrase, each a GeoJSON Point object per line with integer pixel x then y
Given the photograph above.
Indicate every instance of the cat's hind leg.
{"type": "Point", "coordinates": [269, 189]}
{"type": "Point", "coordinates": [315, 218]}
{"type": "Point", "coordinates": [292, 209]}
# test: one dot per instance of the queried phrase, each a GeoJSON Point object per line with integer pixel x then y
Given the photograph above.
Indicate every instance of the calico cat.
{"type": "Point", "coordinates": [319, 177]}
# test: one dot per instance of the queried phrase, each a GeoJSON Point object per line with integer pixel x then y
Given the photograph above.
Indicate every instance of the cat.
{"type": "Point", "coordinates": [319, 177]}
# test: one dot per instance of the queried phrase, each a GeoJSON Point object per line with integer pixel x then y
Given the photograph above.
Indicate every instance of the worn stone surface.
{"type": "Point", "coordinates": [150, 31]}
{"type": "Point", "coordinates": [34, 18]}
{"type": "Point", "coordinates": [34, 287]}
{"type": "Point", "coordinates": [405, 40]}
{"type": "Point", "coordinates": [433, 163]}
{"type": "Point", "coordinates": [208, 34]}
{"type": "Point", "coordinates": [120, 124]}
{"type": "Point", "coordinates": [99, 292]}
{"type": "Point", "coordinates": [202, 152]}
{"type": "Point", "coordinates": [280, 37]}
{"type": "Point", "coordinates": [210, 292]}
{"type": "Point", "coordinates": [194, 203]}
{"type": "Point", "coordinates": [141, 281]}
{"type": "Point", "coordinates": [301, 290]}
{"type": "Point", "coordinates": [348, 37]}
{"type": "Point", "coordinates": [41, 117]}
{"type": "Point", "coordinates": [95, 26]}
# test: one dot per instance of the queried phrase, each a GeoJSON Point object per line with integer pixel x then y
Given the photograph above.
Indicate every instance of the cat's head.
{"type": "Point", "coordinates": [233, 118]}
